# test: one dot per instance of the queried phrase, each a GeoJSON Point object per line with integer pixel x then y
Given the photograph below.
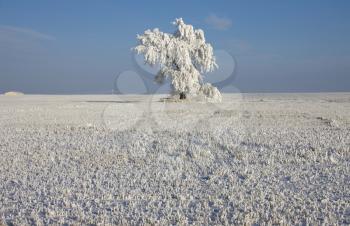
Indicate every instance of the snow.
{"type": "Point", "coordinates": [13, 93]}
{"type": "Point", "coordinates": [253, 158]}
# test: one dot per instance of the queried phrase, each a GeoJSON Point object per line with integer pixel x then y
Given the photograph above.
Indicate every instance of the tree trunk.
{"type": "Point", "coordinates": [182, 96]}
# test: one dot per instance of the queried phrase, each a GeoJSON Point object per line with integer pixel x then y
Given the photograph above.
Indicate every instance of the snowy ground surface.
{"type": "Point", "coordinates": [255, 158]}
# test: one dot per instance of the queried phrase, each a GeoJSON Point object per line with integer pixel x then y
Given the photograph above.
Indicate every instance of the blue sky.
{"type": "Point", "coordinates": [81, 46]}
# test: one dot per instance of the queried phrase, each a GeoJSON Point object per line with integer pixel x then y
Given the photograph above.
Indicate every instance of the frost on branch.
{"type": "Point", "coordinates": [182, 57]}
{"type": "Point", "coordinates": [210, 92]}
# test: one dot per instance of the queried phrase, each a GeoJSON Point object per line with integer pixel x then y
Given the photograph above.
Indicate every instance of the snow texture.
{"type": "Point", "coordinates": [182, 56]}
{"type": "Point", "coordinates": [125, 160]}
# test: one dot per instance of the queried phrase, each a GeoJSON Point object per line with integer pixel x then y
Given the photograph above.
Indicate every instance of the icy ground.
{"type": "Point", "coordinates": [262, 158]}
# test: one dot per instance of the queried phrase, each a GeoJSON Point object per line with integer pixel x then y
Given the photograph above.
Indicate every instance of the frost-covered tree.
{"type": "Point", "coordinates": [182, 57]}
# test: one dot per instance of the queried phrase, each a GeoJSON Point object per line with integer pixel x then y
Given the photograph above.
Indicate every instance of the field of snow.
{"type": "Point", "coordinates": [106, 160]}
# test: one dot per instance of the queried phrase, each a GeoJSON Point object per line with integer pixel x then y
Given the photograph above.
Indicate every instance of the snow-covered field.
{"type": "Point", "coordinates": [255, 158]}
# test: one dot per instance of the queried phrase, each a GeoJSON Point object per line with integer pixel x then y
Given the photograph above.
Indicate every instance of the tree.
{"type": "Point", "coordinates": [182, 57]}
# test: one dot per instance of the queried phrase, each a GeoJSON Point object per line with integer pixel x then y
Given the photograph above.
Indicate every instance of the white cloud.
{"type": "Point", "coordinates": [218, 23]}
{"type": "Point", "coordinates": [17, 41]}
{"type": "Point", "coordinates": [7, 32]}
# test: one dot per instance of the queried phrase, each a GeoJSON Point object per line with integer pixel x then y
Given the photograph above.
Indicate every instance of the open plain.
{"type": "Point", "coordinates": [106, 160]}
